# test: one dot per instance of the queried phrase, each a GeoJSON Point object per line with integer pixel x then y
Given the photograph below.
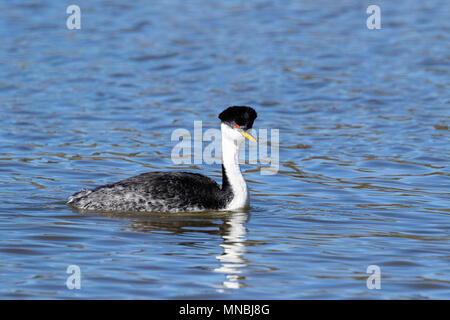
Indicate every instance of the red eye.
{"type": "Point", "coordinates": [236, 125]}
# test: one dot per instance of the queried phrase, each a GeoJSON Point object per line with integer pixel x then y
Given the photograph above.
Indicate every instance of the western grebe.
{"type": "Point", "coordinates": [181, 191]}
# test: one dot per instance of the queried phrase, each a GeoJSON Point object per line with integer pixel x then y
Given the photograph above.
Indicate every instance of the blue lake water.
{"type": "Point", "coordinates": [363, 119]}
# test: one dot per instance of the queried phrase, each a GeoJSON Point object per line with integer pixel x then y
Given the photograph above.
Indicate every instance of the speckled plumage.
{"type": "Point", "coordinates": [155, 192]}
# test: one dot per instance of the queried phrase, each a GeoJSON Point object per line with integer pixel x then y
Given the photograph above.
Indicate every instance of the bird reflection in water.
{"type": "Point", "coordinates": [232, 259]}
{"type": "Point", "coordinates": [228, 225]}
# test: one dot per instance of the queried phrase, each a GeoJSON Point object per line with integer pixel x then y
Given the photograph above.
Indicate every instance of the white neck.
{"type": "Point", "coordinates": [231, 140]}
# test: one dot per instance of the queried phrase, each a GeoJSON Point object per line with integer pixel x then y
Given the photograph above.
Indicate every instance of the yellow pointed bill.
{"type": "Point", "coordinates": [248, 136]}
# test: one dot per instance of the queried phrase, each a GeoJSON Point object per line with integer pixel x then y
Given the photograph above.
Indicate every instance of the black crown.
{"type": "Point", "coordinates": [241, 115]}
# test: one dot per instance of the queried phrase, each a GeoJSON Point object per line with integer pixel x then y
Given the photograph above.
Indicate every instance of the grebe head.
{"type": "Point", "coordinates": [236, 121]}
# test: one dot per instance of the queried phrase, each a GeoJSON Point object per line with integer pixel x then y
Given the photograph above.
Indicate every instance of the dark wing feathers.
{"type": "Point", "coordinates": [155, 191]}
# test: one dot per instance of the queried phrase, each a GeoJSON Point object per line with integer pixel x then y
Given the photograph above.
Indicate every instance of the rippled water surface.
{"type": "Point", "coordinates": [364, 149]}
